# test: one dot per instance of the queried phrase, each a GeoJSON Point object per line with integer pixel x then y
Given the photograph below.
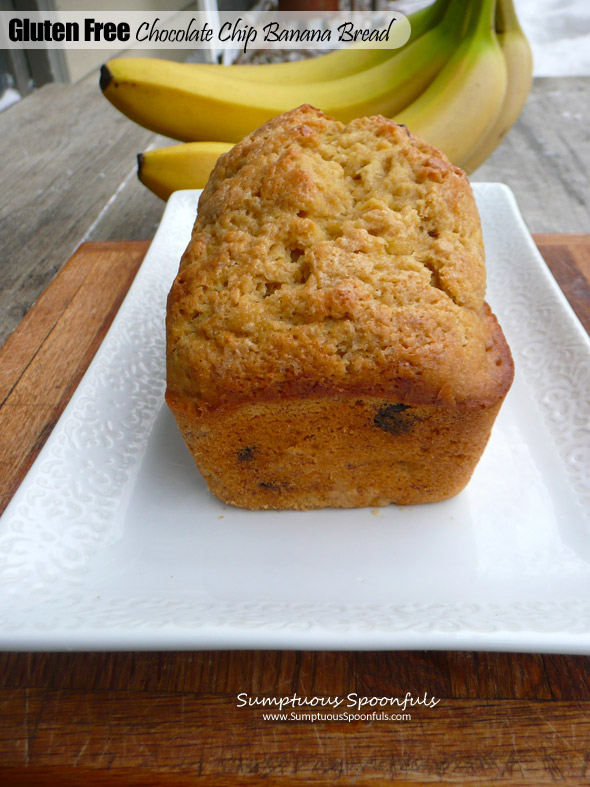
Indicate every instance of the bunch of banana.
{"type": "Point", "coordinates": [460, 83]}
{"type": "Point", "coordinates": [192, 101]}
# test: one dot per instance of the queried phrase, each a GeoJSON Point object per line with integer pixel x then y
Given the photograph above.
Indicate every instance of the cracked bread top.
{"type": "Point", "coordinates": [328, 258]}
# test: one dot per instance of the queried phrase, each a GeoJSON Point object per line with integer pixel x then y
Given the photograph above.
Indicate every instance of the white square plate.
{"type": "Point", "coordinates": [113, 541]}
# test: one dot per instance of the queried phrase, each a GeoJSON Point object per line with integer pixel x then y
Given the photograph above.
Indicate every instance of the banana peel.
{"type": "Point", "coordinates": [188, 166]}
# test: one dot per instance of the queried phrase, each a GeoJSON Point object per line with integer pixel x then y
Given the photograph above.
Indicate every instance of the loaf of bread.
{"type": "Point", "coordinates": [328, 342]}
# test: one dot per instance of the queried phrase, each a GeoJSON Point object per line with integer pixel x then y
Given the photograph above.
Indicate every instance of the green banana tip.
{"type": "Point", "coordinates": [105, 78]}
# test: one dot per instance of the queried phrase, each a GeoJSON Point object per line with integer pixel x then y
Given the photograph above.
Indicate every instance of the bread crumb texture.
{"type": "Point", "coordinates": [333, 259]}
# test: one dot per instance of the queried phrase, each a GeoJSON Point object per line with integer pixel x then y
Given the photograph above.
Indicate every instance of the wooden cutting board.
{"type": "Point", "coordinates": [44, 359]}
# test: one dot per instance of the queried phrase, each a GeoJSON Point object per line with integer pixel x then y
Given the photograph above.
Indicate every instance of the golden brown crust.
{"type": "Point", "coordinates": [331, 262]}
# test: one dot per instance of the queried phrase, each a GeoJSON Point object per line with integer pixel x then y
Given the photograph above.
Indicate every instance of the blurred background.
{"type": "Point", "coordinates": [558, 30]}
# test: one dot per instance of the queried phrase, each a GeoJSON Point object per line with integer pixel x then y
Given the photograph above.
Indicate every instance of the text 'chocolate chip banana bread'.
{"type": "Point", "coordinates": [328, 343]}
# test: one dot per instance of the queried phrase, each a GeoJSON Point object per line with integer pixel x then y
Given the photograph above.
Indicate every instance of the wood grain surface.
{"type": "Point", "coordinates": [173, 718]}
{"type": "Point", "coordinates": [68, 175]}
{"type": "Point", "coordinates": [545, 158]}
{"type": "Point", "coordinates": [44, 359]}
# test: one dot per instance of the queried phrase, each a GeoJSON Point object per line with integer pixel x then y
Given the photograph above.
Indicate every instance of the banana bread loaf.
{"type": "Point", "coordinates": [328, 342]}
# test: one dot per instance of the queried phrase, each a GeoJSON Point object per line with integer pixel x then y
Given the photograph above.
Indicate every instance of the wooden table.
{"type": "Point", "coordinates": [172, 718]}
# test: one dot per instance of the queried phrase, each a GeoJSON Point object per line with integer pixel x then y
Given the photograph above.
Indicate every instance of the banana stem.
{"type": "Point", "coordinates": [485, 18]}
{"type": "Point", "coordinates": [426, 18]}
{"type": "Point", "coordinates": [437, 10]}
{"type": "Point", "coordinates": [457, 17]}
{"type": "Point", "coordinates": [474, 19]}
{"type": "Point", "coordinates": [506, 18]}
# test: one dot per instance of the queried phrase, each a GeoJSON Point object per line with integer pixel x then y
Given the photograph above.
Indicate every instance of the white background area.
{"type": "Point", "coordinates": [558, 30]}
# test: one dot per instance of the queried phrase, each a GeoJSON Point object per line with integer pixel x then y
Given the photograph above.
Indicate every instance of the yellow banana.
{"type": "Point", "coordinates": [333, 65]}
{"type": "Point", "coordinates": [174, 100]}
{"type": "Point", "coordinates": [185, 166]}
{"type": "Point", "coordinates": [459, 107]}
{"type": "Point", "coordinates": [519, 63]}
{"type": "Point", "coordinates": [448, 114]}
{"type": "Point", "coordinates": [462, 103]}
